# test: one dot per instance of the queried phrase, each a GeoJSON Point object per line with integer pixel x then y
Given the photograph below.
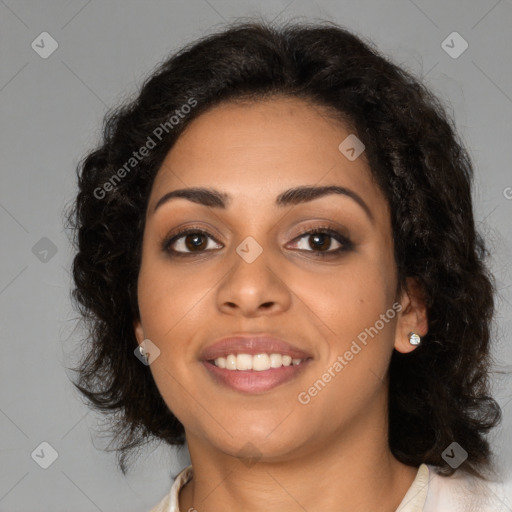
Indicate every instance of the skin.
{"type": "Point", "coordinates": [253, 152]}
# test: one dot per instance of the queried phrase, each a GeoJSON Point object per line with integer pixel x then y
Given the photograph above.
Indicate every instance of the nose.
{"type": "Point", "coordinates": [253, 289]}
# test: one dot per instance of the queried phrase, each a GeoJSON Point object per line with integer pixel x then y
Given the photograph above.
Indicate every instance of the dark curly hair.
{"type": "Point", "coordinates": [439, 393]}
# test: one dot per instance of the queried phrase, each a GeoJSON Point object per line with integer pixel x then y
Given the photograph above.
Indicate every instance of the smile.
{"type": "Point", "coordinates": [257, 362]}
{"type": "Point", "coordinates": [255, 374]}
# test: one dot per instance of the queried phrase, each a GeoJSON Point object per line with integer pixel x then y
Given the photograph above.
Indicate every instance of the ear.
{"type": "Point", "coordinates": [139, 331]}
{"type": "Point", "coordinates": [412, 316]}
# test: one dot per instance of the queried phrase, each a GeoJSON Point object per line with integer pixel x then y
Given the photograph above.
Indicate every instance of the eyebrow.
{"type": "Point", "coordinates": [215, 199]}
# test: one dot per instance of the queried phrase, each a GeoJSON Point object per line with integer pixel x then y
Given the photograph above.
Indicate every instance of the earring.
{"type": "Point", "coordinates": [143, 351]}
{"type": "Point", "coordinates": [414, 339]}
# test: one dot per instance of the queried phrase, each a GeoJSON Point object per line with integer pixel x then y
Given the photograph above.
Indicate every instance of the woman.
{"type": "Point", "coordinates": [278, 262]}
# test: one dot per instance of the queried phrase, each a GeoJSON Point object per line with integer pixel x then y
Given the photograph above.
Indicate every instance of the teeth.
{"type": "Point", "coordinates": [258, 362]}
{"type": "Point", "coordinates": [244, 362]}
{"type": "Point", "coordinates": [276, 360]}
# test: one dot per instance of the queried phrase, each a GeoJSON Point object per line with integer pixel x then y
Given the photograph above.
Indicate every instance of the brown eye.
{"type": "Point", "coordinates": [190, 241]}
{"type": "Point", "coordinates": [323, 242]}
{"type": "Point", "coordinates": [195, 241]}
{"type": "Point", "coordinates": [320, 241]}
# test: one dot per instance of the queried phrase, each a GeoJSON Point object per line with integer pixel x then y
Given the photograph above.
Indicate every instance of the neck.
{"type": "Point", "coordinates": [349, 470]}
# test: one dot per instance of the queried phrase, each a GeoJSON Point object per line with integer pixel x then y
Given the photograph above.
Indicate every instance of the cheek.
{"type": "Point", "coordinates": [358, 319]}
{"type": "Point", "coordinates": [174, 307]}
{"type": "Point", "coordinates": [350, 299]}
{"type": "Point", "coordinates": [166, 309]}
{"type": "Point", "coordinates": [168, 305]}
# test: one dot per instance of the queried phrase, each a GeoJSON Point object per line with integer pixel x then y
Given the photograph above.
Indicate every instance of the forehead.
{"type": "Point", "coordinates": [264, 146]}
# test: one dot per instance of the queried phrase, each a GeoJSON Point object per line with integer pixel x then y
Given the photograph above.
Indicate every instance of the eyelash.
{"type": "Point", "coordinates": [346, 244]}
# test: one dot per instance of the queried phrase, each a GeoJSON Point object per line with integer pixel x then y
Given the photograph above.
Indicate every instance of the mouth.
{"type": "Point", "coordinates": [254, 364]}
{"type": "Point", "coordinates": [253, 381]}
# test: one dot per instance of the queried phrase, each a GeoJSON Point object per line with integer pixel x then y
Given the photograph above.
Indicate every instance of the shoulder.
{"type": "Point", "coordinates": [462, 492]}
{"type": "Point", "coordinates": [170, 502]}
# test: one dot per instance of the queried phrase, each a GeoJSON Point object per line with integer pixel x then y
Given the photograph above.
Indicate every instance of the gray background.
{"type": "Point", "coordinates": [51, 112]}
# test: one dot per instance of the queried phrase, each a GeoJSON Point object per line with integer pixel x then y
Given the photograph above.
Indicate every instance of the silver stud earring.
{"type": "Point", "coordinates": [414, 339]}
{"type": "Point", "coordinates": [142, 350]}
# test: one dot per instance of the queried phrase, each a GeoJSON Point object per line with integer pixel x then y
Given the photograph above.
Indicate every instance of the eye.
{"type": "Point", "coordinates": [188, 241]}
{"type": "Point", "coordinates": [321, 241]}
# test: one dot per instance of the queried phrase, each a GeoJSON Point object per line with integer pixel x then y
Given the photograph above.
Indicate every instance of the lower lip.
{"type": "Point", "coordinates": [250, 381]}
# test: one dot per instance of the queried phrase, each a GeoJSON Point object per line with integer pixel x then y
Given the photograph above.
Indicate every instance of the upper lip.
{"type": "Point", "coordinates": [251, 344]}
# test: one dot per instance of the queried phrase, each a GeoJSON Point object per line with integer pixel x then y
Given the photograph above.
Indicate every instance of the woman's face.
{"type": "Point", "coordinates": [330, 295]}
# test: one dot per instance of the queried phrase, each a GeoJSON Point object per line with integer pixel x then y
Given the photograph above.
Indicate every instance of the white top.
{"type": "Point", "coordinates": [429, 492]}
